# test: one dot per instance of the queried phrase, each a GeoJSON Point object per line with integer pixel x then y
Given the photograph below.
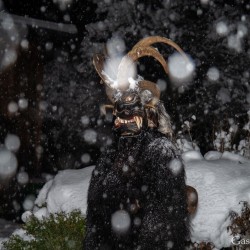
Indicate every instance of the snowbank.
{"type": "Point", "coordinates": [221, 184]}
{"type": "Point", "coordinates": [222, 181]}
{"type": "Point", "coordinates": [66, 192]}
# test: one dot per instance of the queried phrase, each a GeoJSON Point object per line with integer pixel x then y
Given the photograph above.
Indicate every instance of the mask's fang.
{"type": "Point", "coordinates": [137, 121]}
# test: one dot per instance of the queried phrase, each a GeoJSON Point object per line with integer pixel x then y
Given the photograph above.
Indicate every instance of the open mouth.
{"type": "Point", "coordinates": [135, 120]}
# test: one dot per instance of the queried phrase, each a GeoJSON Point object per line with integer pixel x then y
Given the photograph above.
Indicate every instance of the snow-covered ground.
{"type": "Point", "coordinates": [222, 181]}
{"type": "Point", "coordinates": [6, 229]}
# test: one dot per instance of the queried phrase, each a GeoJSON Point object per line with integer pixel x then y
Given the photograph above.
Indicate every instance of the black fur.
{"type": "Point", "coordinates": [150, 182]}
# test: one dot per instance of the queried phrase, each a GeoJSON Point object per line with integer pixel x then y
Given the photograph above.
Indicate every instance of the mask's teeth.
{"type": "Point", "coordinates": [117, 121]}
{"type": "Point", "coordinates": [137, 120]}
{"type": "Point", "coordinates": [140, 118]}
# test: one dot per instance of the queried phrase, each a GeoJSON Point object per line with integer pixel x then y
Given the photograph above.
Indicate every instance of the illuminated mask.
{"type": "Point", "coordinates": [135, 102]}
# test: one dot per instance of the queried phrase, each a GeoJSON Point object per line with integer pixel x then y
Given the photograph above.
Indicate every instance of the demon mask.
{"type": "Point", "coordinates": [136, 102]}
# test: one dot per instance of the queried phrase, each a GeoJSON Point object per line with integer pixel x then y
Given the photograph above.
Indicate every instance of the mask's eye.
{"type": "Point", "coordinates": [129, 98]}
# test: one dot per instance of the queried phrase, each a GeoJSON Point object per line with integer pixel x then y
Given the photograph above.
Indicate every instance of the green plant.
{"type": "Point", "coordinates": [59, 231]}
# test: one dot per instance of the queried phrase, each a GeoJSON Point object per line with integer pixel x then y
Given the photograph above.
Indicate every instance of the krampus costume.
{"type": "Point", "coordinates": [137, 196]}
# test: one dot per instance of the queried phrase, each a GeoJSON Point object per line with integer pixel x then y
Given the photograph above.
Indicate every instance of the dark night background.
{"type": "Point", "coordinates": [56, 75]}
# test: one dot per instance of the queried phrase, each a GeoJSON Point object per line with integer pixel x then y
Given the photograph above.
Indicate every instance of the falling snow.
{"type": "Point", "coordinates": [12, 142]}
{"type": "Point", "coordinates": [51, 96]}
{"type": "Point", "coordinates": [22, 178]}
{"type": "Point", "coordinates": [180, 69]}
{"type": "Point", "coordinates": [120, 222]}
{"type": "Point", "coordinates": [8, 164]}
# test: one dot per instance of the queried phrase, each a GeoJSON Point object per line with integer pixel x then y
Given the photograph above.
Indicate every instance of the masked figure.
{"type": "Point", "coordinates": [137, 197]}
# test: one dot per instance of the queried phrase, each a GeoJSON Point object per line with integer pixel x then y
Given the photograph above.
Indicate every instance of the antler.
{"type": "Point", "coordinates": [144, 48]}
{"type": "Point", "coordinates": [141, 49]}
{"type": "Point", "coordinates": [136, 53]}
{"type": "Point", "coordinates": [145, 42]}
{"type": "Point", "coordinates": [98, 61]}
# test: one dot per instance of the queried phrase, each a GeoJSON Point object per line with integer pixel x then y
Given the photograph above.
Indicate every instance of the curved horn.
{"type": "Point", "coordinates": [132, 56]}
{"type": "Point", "coordinates": [139, 52]}
{"type": "Point", "coordinates": [153, 88]}
{"type": "Point", "coordinates": [143, 48]}
{"type": "Point", "coordinates": [98, 61]}
{"type": "Point", "coordinates": [148, 41]}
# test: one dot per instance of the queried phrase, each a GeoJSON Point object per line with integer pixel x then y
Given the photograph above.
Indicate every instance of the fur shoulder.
{"type": "Point", "coordinates": [162, 147]}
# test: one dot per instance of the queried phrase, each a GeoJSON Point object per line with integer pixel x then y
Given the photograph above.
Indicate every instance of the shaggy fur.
{"type": "Point", "coordinates": [133, 171]}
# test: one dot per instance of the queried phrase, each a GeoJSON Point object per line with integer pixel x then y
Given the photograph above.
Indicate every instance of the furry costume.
{"type": "Point", "coordinates": [137, 170]}
{"type": "Point", "coordinates": [139, 178]}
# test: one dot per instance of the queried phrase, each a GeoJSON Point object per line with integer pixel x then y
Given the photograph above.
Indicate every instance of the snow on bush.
{"type": "Point", "coordinates": [57, 231]}
{"type": "Point", "coordinates": [66, 192]}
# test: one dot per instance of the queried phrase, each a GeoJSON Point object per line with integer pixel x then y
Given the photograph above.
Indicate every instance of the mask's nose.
{"type": "Point", "coordinates": [120, 106]}
{"type": "Point", "coordinates": [124, 110]}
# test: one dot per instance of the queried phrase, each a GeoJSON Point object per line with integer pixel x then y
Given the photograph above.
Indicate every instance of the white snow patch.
{"type": "Point", "coordinates": [213, 155]}
{"type": "Point", "coordinates": [221, 185]}
{"type": "Point", "coordinates": [26, 215]}
{"type": "Point", "coordinates": [42, 196]}
{"type": "Point", "coordinates": [67, 191]}
{"type": "Point", "coordinates": [133, 84]}
{"type": "Point", "coordinates": [41, 213]}
{"type": "Point", "coordinates": [23, 234]}
{"type": "Point", "coordinates": [185, 145]}
{"type": "Point", "coordinates": [191, 156]}
{"type": "Point", "coordinates": [234, 157]}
